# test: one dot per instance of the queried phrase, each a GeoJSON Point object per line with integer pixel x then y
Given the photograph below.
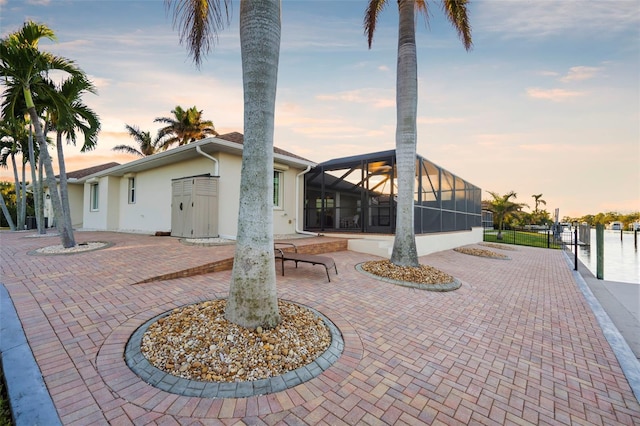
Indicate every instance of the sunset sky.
{"type": "Point", "coordinates": [547, 101]}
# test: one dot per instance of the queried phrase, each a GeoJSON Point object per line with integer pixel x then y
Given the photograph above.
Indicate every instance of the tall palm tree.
{"type": "Point", "coordinates": [404, 245]}
{"type": "Point", "coordinates": [252, 298]}
{"type": "Point", "coordinates": [502, 207]}
{"type": "Point", "coordinates": [24, 70]}
{"type": "Point", "coordinates": [77, 117]}
{"type": "Point", "coordinates": [185, 126]}
{"type": "Point", "coordinates": [146, 145]}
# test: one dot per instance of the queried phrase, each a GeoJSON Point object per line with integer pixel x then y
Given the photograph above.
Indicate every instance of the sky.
{"type": "Point", "coordinates": [546, 102]}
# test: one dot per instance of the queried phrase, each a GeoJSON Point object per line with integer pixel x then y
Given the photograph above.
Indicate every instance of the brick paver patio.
{"type": "Point", "coordinates": [516, 344]}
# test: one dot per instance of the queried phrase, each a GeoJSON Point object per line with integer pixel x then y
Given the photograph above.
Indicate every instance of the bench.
{"type": "Point", "coordinates": [294, 256]}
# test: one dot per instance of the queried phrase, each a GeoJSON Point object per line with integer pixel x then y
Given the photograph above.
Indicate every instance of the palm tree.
{"type": "Point", "coordinates": [538, 200]}
{"type": "Point", "coordinates": [24, 70]}
{"type": "Point", "coordinates": [146, 146]}
{"type": "Point", "coordinates": [404, 244]}
{"type": "Point", "coordinates": [252, 298]}
{"type": "Point", "coordinates": [184, 127]}
{"type": "Point", "coordinates": [77, 116]}
{"type": "Point", "coordinates": [14, 139]}
{"type": "Point", "coordinates": [502, 207]}
{"type": "Point", "coordinates": [3, 206]}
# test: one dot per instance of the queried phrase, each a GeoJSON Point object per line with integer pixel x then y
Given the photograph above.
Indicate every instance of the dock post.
{"type": "Point", "coordinates": [575, 247]}
{"type": "Point", "coordinates": [600, 251]}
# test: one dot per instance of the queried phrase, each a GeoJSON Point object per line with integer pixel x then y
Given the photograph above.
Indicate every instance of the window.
{"type": "Point", "coordinates": [277, 189]}
{"type": "Point", "coordinates": [94, 197]}
{"type": "Point", "coordinates": [132, 190]}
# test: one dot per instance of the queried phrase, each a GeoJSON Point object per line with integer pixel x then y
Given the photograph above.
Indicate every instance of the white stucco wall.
{"type": "Point", "coordinates": [96, 219]}
{"type": "Point", "coordinates": [382, 245]}
{"type": "Point", "coordinates": [76, 199]}
{"type": "Point", "coordinates": [151, 211]}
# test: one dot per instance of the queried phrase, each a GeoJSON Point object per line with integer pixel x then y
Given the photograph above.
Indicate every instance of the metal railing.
{"type": "Point", "coordinates": [545, 238]}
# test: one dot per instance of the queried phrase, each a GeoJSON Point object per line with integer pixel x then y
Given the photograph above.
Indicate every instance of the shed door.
{"type": "Point", "coordinates": [181, 207]}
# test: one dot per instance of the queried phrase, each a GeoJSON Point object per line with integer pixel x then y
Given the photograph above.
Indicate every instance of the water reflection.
{"type": "Point", "coordinates": [621, 256]}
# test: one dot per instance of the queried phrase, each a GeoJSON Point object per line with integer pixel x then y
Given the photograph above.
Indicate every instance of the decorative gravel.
{"type": "Point", "coordinates": [499, 246]}
{"type": "Point", "coordinates": [78, 248]}
{"type": "Point", "coordinates": [196, 342]}
{"type": "Point", "coordinates": [480, 252]}
{"type": "Point", "coordinates": [423, 274]}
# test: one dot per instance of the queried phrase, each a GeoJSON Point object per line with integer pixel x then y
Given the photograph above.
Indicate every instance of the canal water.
{"type": "Point", "coordinates": [621, 256]}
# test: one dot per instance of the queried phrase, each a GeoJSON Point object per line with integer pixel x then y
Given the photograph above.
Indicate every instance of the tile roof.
{"type": "Point", "coordinates": [78, 174]}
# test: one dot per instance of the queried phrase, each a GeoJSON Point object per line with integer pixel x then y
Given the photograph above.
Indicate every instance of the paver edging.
{"type": "Point", "coordinates": [187, 387]}
{"type": "Point", "coordinates": [31, 402]}
{"type": "Point", "coordinates": [625, 356]}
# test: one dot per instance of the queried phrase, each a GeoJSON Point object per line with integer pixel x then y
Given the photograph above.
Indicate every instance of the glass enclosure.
{"type": "Point", "coordinates": [358, 194]}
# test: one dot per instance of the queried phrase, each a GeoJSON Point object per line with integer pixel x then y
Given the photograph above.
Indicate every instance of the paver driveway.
{"type": "Point", "coordinates": [516, 344]}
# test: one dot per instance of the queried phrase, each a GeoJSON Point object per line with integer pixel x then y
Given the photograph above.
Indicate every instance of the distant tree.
{"type": "Point", "coordinates": [503, 208]}
{"type": "Point", "coordinates": [146, 145]}
{"type": "Point", "coordinates": [184, 127]}
{"type": "Point", "coordinates": [538, 200]}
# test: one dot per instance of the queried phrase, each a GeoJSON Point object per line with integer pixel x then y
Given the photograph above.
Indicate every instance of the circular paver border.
{"type": "Point", "coordinates": [440, 287]}
{"type": "Point", "coordinates": [195, 388]}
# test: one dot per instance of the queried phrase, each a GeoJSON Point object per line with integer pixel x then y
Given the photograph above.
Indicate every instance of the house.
{"type": "Point", "coordinates": [615, 225]}
{"type": "Point", "coordinates": [190, 191]}
{"type": "Point", "coordinates": [75, 188]}
{"type": "Point", "coordinates": [193, 191]}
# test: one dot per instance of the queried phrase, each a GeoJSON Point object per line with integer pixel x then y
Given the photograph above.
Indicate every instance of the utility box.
{"type": "Point", "coordinates": [194, 207]}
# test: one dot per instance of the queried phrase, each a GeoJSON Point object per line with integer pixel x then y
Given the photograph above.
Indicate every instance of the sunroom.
{"type": "Point", "coordinates": [358, 195]}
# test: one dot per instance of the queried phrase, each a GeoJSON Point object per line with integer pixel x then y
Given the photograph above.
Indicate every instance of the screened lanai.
{"type": "Point", "coordinates": [357, 194]}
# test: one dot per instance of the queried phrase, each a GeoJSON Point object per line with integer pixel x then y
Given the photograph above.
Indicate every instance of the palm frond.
{"type": "Point", "coordinates": [371, 18]}
{"type": "Point", "coordinates": [128, 149]}
{"type": "Point", "coordinates": [199, 23]}
{"type": "Point", "coordinates": [456, 11]}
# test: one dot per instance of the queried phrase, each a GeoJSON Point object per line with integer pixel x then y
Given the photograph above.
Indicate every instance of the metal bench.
{"type": "Point", "coordinates": [294, 256]}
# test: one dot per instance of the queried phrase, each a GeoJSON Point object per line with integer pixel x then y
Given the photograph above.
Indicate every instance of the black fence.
{"type": "Point", "coordinates": [530, 236]}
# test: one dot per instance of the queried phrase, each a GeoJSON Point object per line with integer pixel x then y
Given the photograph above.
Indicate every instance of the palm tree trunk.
{"type": "Point", "coordinates": [7, 216]}
{"type": "Point", "coordinates": [21, 202]}
{"type": "Point", "coordinates": [252, 294]}
{"type": "Point", "coordinates": [66, 234]}
{"type": "Point", "coordinates": [40, 210]}
{"type": "Point", "coordinates": [64, 190]}
{"type": "Point", "coordinates": [404, 245]}
{"type": "Point", "coordinates": [23, 196]}
{"type": "Point", "coordinates": [35, 182]}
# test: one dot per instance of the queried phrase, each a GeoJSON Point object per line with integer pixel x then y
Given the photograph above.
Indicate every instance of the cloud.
{"type": "Point", "coordinates": [555, 95]}
{"type": "Point", "coordinates": [440, 120]}
{"type": "Point", "coordinates": [580, 73]}
{"type": "Point", "coordinates": [371, 97]}
{"type": "Point", "coordinates": [515, 18]}
{"type": "Point", "coordinates": [540, 147]}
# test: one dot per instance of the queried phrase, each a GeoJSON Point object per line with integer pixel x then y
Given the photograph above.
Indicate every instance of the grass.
{"type": "Point", "coordinates": [5, 409]}
{"type": "Point", "coordinates": [522, 238]}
